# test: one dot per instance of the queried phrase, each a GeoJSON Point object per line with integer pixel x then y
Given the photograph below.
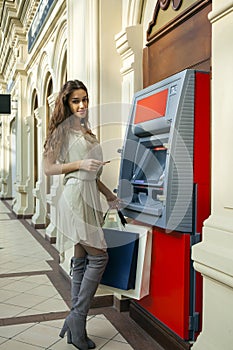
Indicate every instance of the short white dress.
{"type": "Point", "coordinates": [79, 212]}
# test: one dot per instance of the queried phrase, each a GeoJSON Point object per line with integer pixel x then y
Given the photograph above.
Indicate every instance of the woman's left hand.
{"type": "Point", "coordinates": [113, 201]}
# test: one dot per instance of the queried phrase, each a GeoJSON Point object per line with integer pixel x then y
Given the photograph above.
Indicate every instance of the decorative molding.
{"type": "Point", "coordinates": [212, 272]}
{"type": "Point", "coordinates": [220, 222]}
{"type": "Point", "coordinates": [221, 12]}
{"type": "Point", "coordinates": [128, 45]}
{"type": "Point", "coordinates": [164, 4]}
{"type": "Point", "coordinates": [125, 41]}
{"type": "Point", "coordinates": [51, 100]}
{"type": "Point", "coordinates": [176, 5]}
{"type": "Point", "coordinates": [27, 122]}
{"type": "Point", "coordinates": [38, 117]}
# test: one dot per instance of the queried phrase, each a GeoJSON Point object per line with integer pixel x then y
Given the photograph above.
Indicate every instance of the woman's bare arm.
{"type": "Point", "coordinates": [51, 167]}
{"type": "Point", "coordinates": [111, 198]}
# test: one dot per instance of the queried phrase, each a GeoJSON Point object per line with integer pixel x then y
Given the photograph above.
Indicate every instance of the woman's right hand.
{"type": "Point", "coordinates": [90, 164]}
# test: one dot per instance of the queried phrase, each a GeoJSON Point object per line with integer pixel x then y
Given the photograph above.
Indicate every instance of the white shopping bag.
{"type": "Point", "coordinates": [142, 282]}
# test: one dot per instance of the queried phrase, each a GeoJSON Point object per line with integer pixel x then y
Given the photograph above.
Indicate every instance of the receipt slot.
{"type": "Point", "coordinates": [165, 182]}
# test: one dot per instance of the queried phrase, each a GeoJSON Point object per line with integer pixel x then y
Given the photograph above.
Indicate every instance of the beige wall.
{"type": "Point", "coordinates": [213, 257]}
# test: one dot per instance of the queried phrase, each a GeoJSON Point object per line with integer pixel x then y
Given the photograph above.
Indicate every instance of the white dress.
{"type": "Point", "coordinates": [79, 212]}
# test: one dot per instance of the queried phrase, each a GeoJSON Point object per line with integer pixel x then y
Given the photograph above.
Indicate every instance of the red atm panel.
{"type": "Point", "coordinates": [170, 276]}
{"type": "Point", "coordinates": [170, 191]}
{"type": "Point", "coordinates": [169, 299]}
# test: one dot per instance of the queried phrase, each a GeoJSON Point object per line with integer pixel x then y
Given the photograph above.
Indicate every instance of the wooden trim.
{"type": "Point", "coordinates": [121, 305]}
{"type": "Point", "coordinates": [51, 240]}
{"type": "Point", "coordinates": [102, 301]}
{"type": "Point", "coordinates": [159, 332]}
{"type": "Point", "coordinates": [146, 78]}
{"type": "Point", "coordinates": [187, 45]}
{"type": "Point", "coordinates": [27, 216]}
{"type": "Point", "coordinates": [39, 226]}
{"type": "Point", "coordinates": [184, 16]}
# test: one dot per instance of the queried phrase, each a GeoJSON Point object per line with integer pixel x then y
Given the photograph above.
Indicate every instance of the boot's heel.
{"type": "Point", "coordinates": [63, 330]}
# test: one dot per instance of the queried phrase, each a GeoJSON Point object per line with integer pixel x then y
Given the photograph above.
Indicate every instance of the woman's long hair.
{"type": "Point", "coordinates": [62, 119]}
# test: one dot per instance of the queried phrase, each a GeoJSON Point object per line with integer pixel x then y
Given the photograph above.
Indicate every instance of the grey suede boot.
{"type": "Point", "coordinates": [76, 320]}
{"type": "Point", "coordinates": [77, 269]}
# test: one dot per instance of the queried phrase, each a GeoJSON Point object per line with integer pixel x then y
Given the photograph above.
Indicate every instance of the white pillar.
{"type": "Point", "coordinates": [2, 175]}
{"type": "Point", "coordinates": [53, 192]}
{"type": "Point", "coordinates": [213, 257]}
{"type": "Point", "coordinates": [21, 201]}
{"type": "Point", "coordinates": [83, 48]}
{"type": "Point", "coordinates": [76, 39]}
{"type": "Point", "coordinates": [6, 188]}
{"type": "Point", "coordinates": [29, 161]}
{"type": "Point", "coordinates": [129, 45]}
{"type": "Point", "coordinates": [39, 219]}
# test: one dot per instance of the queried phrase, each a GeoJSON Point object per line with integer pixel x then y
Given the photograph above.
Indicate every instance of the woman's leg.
{"type": "Point", "coordinates": [78, 266]}
{"type": "Point", "coordinates": [95, 265]}
{"type": "Point", "coordinates": [79, 251]}
{"type": "Point", "coordinates": [76, 321]}
{"type": "Point", "coordinates": [77, 269]}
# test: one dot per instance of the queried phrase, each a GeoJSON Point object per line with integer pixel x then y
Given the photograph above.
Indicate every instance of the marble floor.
{"type": "Point", "coordinates": [34, 296]}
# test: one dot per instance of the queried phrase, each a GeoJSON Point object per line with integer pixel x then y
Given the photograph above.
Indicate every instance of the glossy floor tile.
{"type": "Point", "coordinates": [32, 307]}
{"type": "Point", "coordinates": [35, 296]}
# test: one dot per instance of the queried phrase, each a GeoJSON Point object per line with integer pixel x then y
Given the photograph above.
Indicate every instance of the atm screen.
{"type": "Point", "coordinates": [151, 107]}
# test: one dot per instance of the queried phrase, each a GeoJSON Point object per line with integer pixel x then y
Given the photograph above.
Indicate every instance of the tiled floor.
{"type": "Point", "coordinates": [44, 335]}
{"type": "Point", "coordinates": [34, 296]}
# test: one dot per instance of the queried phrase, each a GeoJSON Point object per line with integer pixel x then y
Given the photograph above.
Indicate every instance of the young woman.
{"type": "Point", "coordinates": [72, 149]}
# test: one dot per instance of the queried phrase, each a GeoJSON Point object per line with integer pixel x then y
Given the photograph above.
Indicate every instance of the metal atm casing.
{"type": "Point", "coordinates": [165, 182]}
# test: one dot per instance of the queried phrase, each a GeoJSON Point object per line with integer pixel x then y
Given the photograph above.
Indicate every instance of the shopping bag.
{"type": "Point", "coordinates": [114, 218]}
{"type": "Point", "coordinates": [143, 262]}
{"type": "Point", "coordinates": [122, 249]}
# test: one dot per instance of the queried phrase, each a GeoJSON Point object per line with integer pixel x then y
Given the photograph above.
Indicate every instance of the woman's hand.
{"type": "Point", "coordinates": [90, 164]}
{"type": "Point", "coordinates": [113, 201]}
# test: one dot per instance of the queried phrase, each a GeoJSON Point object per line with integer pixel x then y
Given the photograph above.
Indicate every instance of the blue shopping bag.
{"type": "Point", "coordinates": [122, 247]}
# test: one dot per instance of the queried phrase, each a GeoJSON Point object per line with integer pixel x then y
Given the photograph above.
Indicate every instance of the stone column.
{"type": "Point", "coordinates": [53, 192]}
{"type": "Point", "coordinates": [129, 45]}
{"type": "Point", "coordinates": [1, 159]}
{"type": "Point", "coordinates": [29, 125]}
{"type": "Point", "coordinates": [39, 219]}
{"type": "Point", "coordinates": [76, 39]}
{"type": "Point", "coordinates": [21, 201]}
{"type": "Point", "coordinates": [5, 179]}
{"type": "Point", "coordinates": [213, 257]}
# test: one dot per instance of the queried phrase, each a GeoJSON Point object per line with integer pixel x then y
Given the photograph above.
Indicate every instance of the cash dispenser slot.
{"type": "Point", "coordinates": [148, 175]}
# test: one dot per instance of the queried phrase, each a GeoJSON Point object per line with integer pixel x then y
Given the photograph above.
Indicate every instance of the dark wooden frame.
{"type": "Point", "coordinates": [184, 42]}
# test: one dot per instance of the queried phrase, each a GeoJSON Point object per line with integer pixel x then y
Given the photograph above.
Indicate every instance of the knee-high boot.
{"type": "Point", "coordinates": [76, 320]}
{"type": "Point", "coordinates": [77, 269]}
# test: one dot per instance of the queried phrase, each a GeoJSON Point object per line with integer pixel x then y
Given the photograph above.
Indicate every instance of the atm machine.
{"type": "Point", "coordinates": [165, 182]}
